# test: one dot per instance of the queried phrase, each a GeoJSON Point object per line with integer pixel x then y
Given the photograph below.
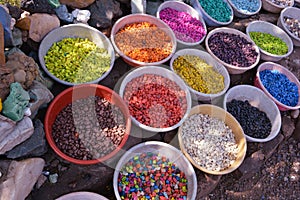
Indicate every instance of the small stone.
{"type": "Point", "coordinates": [63, 14]}
{"type": "Point", "coordinates": [295, 114]}
{"type": "Point", "coordinates": [285, 179]}
{"type": "Point", "coordinates": [81, 15]}
{"type": "Point", "coordinates": [53, 178]}
{"type": "Point", "coordinates": [288, 126]}
{"type": "Point", "coordinates": [41, 180]}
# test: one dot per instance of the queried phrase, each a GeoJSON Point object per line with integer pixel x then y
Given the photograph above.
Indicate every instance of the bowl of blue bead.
{"type": "Point", "coordinates": [214, 12]}
{"type": "Point", "coordinates": [279, 84]}
{"type": "Point", "coordinates": [154, 170]}
{"type": "Point", "coordinates": [245, 8]}
{"type": "Point", "coordinates": [257, 114]}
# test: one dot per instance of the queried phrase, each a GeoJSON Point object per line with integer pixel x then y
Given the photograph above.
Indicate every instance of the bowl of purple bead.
{"type": "Point", "coordinates": [154, 170]}
{"type": "Point", "coordinates": [187, 24]}
{"type": "Point", "coordinates": [257, 114]}
{"type": "Point", "coordinates": [279, 84]}
{"type": "Point", "coordinates": [233, 49]}
{"type": "Point", "coordinates": [245, 8]}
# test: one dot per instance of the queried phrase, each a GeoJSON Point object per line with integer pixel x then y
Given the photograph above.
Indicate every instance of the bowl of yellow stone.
{"type": "Point", "coordinates": [206, 78]}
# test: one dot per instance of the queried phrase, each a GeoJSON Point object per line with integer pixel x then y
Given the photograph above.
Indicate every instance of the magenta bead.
{"type": "Point", "coordinates": [185, 27]}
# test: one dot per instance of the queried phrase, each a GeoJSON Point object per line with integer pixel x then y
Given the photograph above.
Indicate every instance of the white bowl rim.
{"type": "Point", "coordinates": [192, 52]}
{"type": "Point", "coordinates": [246, 13]}
{"type": "Point", "coordinates": [136, 16]}
{"type": "Point", "coordinates": [91, 196]}
{"type": "Point", "coordinates": [212, 19]}
{"type": "Point", "coordinates": [282, 22]}
{"type": "Point", "coordinates": [224, 29]}
{"type": "Point", "coordinates": [271, 96]}
{"type": "Point", "coordinates": [187, 92]}
{"type": "Point", "coordinates": [272, 103]}
{"type": "Point", "coordinates": [138, 146]}
{"type": "Point", "coordinates": [290, 50]}
{"type": "Point", "coordinates": [172, 4]}
{"type": "Point", "coordinates": [278, 6]}
{"type": "Point", "coordinates": [105, 74]}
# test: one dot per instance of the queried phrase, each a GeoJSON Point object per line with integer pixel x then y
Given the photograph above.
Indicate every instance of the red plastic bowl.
{"type": "Point", "coordinates": [283, 70]}
{"type": "Point", "coordinates": [79, 92]}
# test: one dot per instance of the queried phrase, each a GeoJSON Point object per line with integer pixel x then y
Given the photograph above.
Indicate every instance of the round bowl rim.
{"type": "Point", "coordinates": [193, 51]}
{"type": "Point", "coordinates": [277, 28]}
{"type": "Point", "coordinates": [164, 70]}
{"type": "Point", "coordinates": [245, 13]}
{"type": "Point", "coordinates": [158, 143]}
{"type": "Point", "coordinates": [199, 17]}
{"type": "Point", "coordinates": [272, 103]}
{"type": "Point", "coordinates": [266, 91]}
{"type": "Point", "coordinates": [237, 32]}
{"type": "Point", "coordinates": [226, 171]}
{"type": "Point", "coordinates": [136, 16]}
{"type": "Point", "coordinates": [55, 31]}
{"type": "Point", "coordinates": [283, 25]}
{"type": "Point", "coordinates": [49, 136]}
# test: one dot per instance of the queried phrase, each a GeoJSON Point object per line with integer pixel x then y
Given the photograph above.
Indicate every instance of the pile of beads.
{"type": "Point", "coordinates": [151, 176]}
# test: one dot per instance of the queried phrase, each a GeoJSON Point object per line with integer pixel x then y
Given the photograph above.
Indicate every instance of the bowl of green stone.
{"type": "Point", "coordinates": [76, 54]}
{"type": "Point", "coordinates": [273, 42]}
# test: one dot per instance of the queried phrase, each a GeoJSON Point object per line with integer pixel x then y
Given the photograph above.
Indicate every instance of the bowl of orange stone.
{"type": "Point", "coordinates": [143, 40]}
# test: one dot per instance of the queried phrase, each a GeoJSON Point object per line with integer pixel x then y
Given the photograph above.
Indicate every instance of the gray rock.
{"type": "Point", "coordinates": [287, 127]}
{"type": "Point", "coordinates": [20, 178]}
{"type": "Point", "coordinates": [270, 147]}
{"type": "Point", "coordinates": [23, 130]}
{"type": "Point", "coordinates": [36, 145]}
{"type": "Point", "coordinates": [295, 114]}
{"type": "Point", "coordinates": [17, 37]}
{"type": "Point", "coordinates": [40, 95]}
{"type": "Point", "coordinates": [252, 164]}
{"type": "Point", "coordinates": [6, 127]}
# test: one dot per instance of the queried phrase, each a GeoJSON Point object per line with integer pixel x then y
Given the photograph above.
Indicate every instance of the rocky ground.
{"type": "Point", "coordinates": [270, 170]}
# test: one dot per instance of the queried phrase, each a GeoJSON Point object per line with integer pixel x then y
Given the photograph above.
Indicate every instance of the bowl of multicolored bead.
{"type": "Point", "coordinates": [212, 140]}
{"type": "Point", "coordinates": [187, 24]}
{"type": "Point", "coordinates": [154, 170]}
{"type": "Point", "coordinates": [279, 84]}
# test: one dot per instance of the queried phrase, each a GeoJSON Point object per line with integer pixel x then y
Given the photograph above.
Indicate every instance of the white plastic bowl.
{"type": "Point", "coordinates": [82, 196]}
{"type": "Point", "coordinates": [266, 27]}
{"type": "Point", "coordinates": [75, 31]}
{"type": "Point", "coordinates": [269, 6]}
{"type": "Point", "coordinates": [199, 96]}
{"type": "Point", "coordinates": [157, 70]}
{"type": "Point", "coordinates": [293, 13]}
{"type": "Point", "coordinates": [183, 7]}
{"type": "Point", "coordinates": [173, 154]}
{"type": "Point", "coordinates": [243, 13]}
{"type": "Point", "coordinates": [207, 18]}
{"type": "Point", "coordinates": [231, 68]}
{"type": "Point", "coordinates": [259, 99]}
{"type": "Point", "coordinates": [283, 70]}
{"type": "Point", "coordinates": [133, 18]}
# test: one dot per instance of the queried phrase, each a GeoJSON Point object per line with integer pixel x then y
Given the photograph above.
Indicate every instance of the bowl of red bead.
{"type": "Point", "coordinates": [187, 24]}
{"type": "Point", "coordinates": [157, 98]}
{"type": "Point", "coordinates": [154, 170]}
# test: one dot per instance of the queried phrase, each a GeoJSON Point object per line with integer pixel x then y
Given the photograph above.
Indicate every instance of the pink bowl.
{"type": "Point", "coordinates": [283, 70]}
